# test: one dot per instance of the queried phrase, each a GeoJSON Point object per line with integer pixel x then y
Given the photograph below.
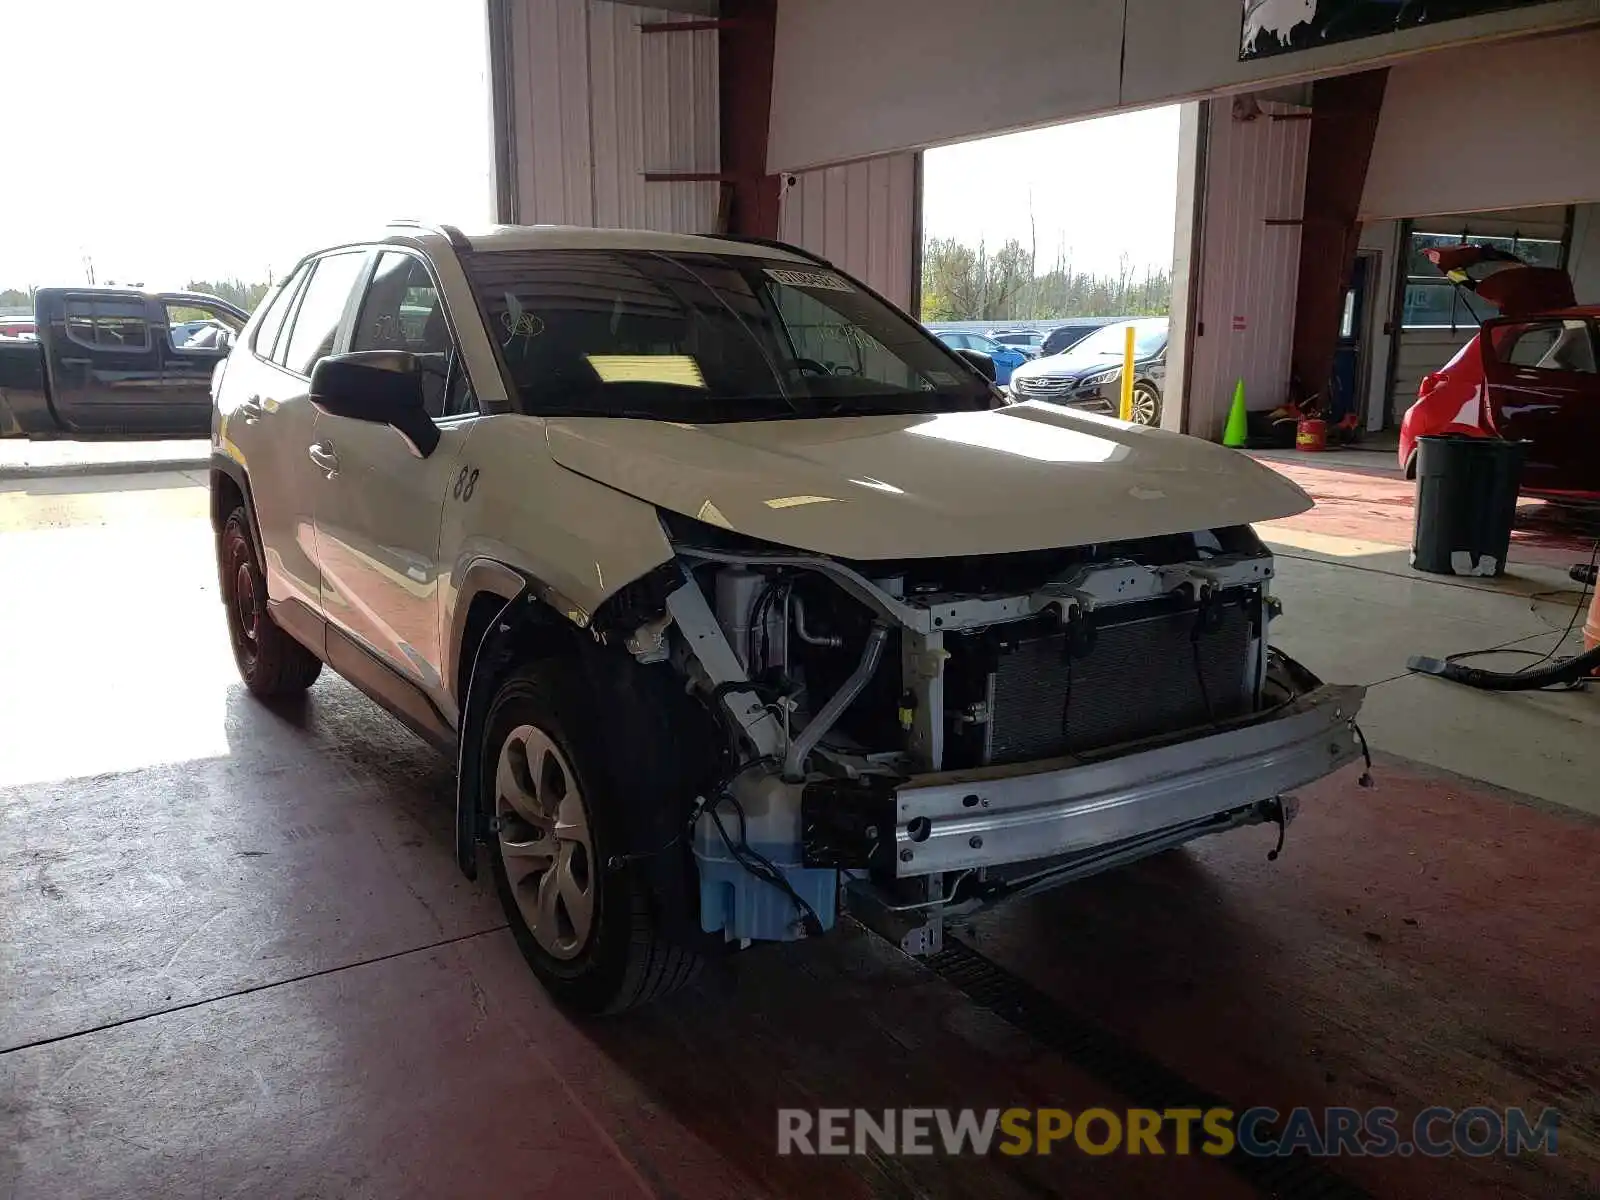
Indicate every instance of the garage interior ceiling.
{"type": "Point", "coordinates": [854, 80]}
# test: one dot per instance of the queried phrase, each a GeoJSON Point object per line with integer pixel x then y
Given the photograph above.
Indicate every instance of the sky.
{"type": "Point", "coordinates": [169, 144]}
{"type": "Point", "coordinates": [1067, 177]}
{"type": "Point", "coordinates": [226, 139]}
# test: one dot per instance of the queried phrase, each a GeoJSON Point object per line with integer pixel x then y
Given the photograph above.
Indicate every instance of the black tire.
{"type": "Point", "coordinates": [270, 662]}
{"type": "Point", "coordinates": [1146, 404]}
{"type": "Point", "coordinates": [620, 763]}
{"type": "Point", "coordinates": [1410, 471]}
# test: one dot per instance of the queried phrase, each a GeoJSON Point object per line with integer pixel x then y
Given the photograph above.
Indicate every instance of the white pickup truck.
{"type": "Point", "coordinates": [739, 596]}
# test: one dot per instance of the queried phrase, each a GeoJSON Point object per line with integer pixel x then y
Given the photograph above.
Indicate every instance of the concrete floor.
{"type": "Point", "coordinates": [236, 958]}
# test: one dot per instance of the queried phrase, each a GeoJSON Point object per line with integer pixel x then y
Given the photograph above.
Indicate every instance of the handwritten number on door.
{"type": "Point", "coordinates": [466, 483]}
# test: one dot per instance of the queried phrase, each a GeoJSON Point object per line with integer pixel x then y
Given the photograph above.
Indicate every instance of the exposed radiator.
{"type": "Point", "coordinates": [1141, 678]}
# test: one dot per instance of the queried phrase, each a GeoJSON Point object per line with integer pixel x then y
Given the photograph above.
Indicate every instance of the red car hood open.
{"type": "Point", "coordinates": [1504, 280]}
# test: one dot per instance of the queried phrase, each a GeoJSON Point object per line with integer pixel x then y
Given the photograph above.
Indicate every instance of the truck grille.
{"type": "Point", "coordinates": [1142, 677]}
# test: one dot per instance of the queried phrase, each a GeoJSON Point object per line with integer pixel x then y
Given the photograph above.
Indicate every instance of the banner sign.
{"type": "Point", "coordinates": [1284, 26]}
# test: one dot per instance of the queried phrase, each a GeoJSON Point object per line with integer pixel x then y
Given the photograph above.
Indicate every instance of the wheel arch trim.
{"type": "Point", "coordinates": [222, 464]}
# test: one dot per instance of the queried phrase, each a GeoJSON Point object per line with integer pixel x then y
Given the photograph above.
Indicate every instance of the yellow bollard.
{"type": "Point", "coordinates": [1126, 409]}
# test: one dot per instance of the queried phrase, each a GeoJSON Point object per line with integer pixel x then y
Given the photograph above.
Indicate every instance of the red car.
{"type": "Point", "coordinates": [1529, 374]}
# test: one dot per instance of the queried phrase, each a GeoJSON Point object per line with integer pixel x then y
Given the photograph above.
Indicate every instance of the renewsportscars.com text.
{"type": "Point", "coordinates": [1261, 1132]}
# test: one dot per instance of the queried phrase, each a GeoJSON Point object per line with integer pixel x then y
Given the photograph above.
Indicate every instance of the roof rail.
{"type": "Point", "coordinates": [775, 244]}
{"type": "Point", "coordinates": [457, 239]}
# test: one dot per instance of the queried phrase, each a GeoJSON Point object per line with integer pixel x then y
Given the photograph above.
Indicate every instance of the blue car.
{"type": "Point", "coordinates": [1006, 358]}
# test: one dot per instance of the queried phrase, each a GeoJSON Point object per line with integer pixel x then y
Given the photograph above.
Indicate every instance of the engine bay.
{"type": "Point", "coordinates": [848, 690]}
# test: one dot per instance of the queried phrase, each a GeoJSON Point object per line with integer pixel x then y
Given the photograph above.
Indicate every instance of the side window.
{"type": "Point", "coordinates": [265, 339]}
{"type": "Point", "coordinates": [402, 310]}
{"type": "Point", "coordinates": [316, 321]}
{"type": "Point", "coordinates": [1547, 346]}
{"type": "Point", "coordinates": [193, 325]}
{"type": "Point", "coordinates": [108, 322]}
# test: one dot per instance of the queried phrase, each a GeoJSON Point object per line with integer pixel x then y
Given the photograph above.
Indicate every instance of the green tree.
{"type": "Point", "coordinates": [966, 283]}
{"type": "Point", "coordinates": [234, 291]}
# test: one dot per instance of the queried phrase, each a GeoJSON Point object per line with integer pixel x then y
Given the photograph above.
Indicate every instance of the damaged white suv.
{"type": "Point", "coordinates": [740, 597]}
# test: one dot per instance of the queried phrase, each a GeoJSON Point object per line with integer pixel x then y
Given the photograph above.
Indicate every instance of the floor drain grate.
{"type": "Point", "coordinates": [1143, 1080]}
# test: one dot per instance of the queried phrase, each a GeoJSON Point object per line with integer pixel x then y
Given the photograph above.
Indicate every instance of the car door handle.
{"type": "Point", "coordinates": [251, 411]}
{"type": "Point", "coordinates": [327, 461]}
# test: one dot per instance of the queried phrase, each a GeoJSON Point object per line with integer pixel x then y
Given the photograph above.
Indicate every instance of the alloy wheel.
{"type": "Point", "coordinates": [545, 841]}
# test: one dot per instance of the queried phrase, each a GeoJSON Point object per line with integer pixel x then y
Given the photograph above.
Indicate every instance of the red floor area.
{"type": "Point", "coordinates": [237, 959]}
{"type": "Point", "coordinates": [1430, 941]}
{"type": "Point", "coordinates": [1379, 506]}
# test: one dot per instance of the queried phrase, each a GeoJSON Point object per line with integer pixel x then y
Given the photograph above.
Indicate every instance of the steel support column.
{"type": "Point", "coordinates": [1344, 120]}
{"type": "Point", "coordinates": [744, 63]}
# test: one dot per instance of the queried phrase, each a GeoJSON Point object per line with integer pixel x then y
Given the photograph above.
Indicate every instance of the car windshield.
{"type": "Point", "coordinates": [1108, 342]}
{"type": "Point", "coordinates": [706, 337]}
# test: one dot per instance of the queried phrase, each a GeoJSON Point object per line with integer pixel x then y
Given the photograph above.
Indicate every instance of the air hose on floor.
{"type": "Point", "coordinates": [1568, 671]}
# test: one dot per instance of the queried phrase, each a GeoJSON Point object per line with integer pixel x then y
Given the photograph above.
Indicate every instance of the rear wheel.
{"type": "Point", "coordinates": [270, 662]}
{"type": "Point", "coordinates": [553, 770]}
{"type": "Point", "coordinates": [1146, 405]}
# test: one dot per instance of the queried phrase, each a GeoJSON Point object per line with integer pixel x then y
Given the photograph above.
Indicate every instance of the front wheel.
{"type": "Point", "coordinates": [1146, 405]}
{"type": "Point", "coordinates": [588, 930]}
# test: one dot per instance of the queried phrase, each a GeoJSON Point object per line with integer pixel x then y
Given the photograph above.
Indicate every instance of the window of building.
{"type": "Point", "coordinates": [108, 322]}
{"type": "Point", "coordinates": [1433, 302]}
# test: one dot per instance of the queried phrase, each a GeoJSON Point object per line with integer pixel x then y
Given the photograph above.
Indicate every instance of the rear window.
{"type": "Point", "coordinates": [108, 322]}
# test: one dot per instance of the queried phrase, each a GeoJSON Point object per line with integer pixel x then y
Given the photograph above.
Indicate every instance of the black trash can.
{"type": "Point", "coordinates": [1466, 503]}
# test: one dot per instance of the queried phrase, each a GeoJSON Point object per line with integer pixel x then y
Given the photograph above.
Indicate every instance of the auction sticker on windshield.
{"type": "Point", "coordinates": [826, 280]}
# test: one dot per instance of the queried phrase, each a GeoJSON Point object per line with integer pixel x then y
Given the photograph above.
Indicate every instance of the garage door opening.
{"type": "Point", "coordinates": [1034, 241]}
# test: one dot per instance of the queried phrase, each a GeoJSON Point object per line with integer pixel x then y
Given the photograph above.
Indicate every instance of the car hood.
{"type": "Point", "coordinates": [1027, 477]}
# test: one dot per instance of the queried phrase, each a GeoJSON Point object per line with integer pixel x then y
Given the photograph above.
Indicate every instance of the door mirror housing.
{"type": "Point", "coordinates": [380, 386]}
{"type": "Point", "coordinates": [979, 362]}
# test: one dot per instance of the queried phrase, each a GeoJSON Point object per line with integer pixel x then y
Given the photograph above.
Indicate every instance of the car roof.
{"type": "Point", "coordinates": [574, 237]}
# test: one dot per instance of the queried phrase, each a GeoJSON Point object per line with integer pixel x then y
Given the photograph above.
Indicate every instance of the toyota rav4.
{"type": "Point", "coordinates": [740, 599]}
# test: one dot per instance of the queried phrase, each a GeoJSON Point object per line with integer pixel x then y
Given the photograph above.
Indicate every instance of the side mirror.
{"type": "Point", "coordinates": [381, 386]}
{"type": "Point", "coordinates": [979, 362]}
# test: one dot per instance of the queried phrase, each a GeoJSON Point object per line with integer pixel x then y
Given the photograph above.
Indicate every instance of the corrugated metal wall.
{"type": "Point", "coordinates": [1255, 172]}
{"type": "Point", "coordinates": [862, 217]}
{"type": "Point", "coordinates": [596, 103]}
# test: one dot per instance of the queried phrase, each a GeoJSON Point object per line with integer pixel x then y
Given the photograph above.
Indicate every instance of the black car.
{"type": "Point", "coordinates": [1090, 374]}
{"type": "Point", "coordinates": [1064, 338]}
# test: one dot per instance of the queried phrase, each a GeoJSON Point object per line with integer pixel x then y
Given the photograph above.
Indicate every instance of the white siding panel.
{"type": "Point", "coordinates": [862, 217]}
{"type": "Point", "coordinates": [1530, 121]}
{"type": "Point", "coordinates": [1249, 272]}
{"type": "Point", "coordinates": [598, 103]}
{"type": "Point", "coordinates": [550, 99]}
